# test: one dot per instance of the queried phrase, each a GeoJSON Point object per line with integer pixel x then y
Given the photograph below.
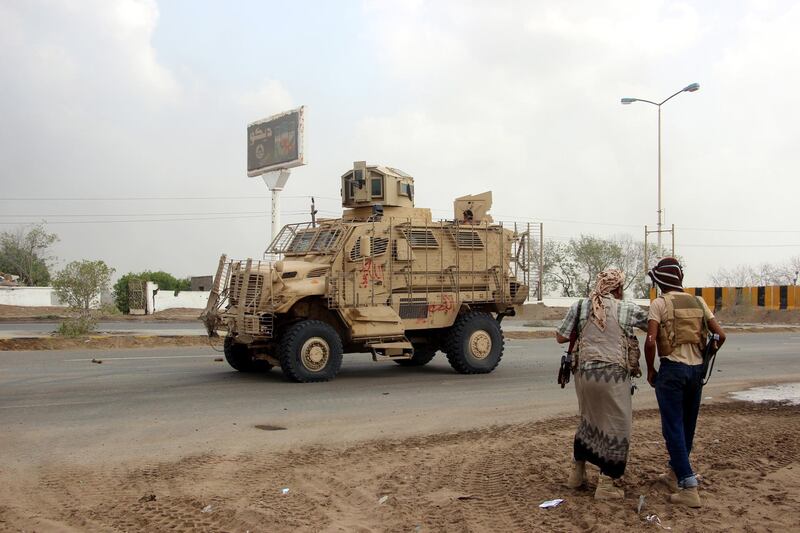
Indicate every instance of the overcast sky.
{"type": "Point", "coordinates": [118, 99]}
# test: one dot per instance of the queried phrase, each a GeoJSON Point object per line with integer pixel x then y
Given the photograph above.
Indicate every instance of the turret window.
{"type": "Point", "coordinates": [377, 187]}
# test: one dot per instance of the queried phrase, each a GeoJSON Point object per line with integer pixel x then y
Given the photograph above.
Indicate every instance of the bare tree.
{"type": "Point", "coordinates": [738, 276]}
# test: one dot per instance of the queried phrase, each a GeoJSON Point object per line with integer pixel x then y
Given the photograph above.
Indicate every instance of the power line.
{"type": "Point", "coordinates": [149, 198]}
{"type": "Point", "coordinates": [142, 220]}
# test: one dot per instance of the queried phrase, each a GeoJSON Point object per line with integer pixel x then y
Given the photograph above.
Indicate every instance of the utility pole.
{"type": "Point", "coordinates": [541, 261]}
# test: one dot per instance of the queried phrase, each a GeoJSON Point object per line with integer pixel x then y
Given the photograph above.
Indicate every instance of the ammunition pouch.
{"type": "Point", "coordinates": [684, 323]}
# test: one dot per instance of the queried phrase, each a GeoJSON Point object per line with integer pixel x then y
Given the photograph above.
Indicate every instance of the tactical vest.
{"type": "Point", "coordinates": [683, 323]}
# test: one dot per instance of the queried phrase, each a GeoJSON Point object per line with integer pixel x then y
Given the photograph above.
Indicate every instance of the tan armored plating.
{"type": "Point", "coordinates": [385, 279]}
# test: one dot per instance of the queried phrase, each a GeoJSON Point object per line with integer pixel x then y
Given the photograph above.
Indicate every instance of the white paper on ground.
{"type": "Point", "coordinates": [550, 503]}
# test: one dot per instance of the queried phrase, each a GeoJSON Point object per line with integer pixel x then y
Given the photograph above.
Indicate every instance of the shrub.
{"type": "Point", "coordinates": [76, 327]}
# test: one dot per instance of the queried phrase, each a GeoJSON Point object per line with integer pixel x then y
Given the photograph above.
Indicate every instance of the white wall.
{"type": "Point", "coordinates": [30, 297]}
{"type": "Point", "coordinates": [166, 299]}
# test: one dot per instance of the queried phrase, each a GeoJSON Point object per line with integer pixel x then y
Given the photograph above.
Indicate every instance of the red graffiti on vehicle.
{"type": "Point", "coordinates": [370, 271]}
{"type": "Point", "coordinates": [445, 307]}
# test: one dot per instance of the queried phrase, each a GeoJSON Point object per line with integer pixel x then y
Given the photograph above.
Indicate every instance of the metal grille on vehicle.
{"type": "Point", "coordinates": [379, 246]}
{"type": "Point", "coordinates": [413, 308]}
{"type": "Point", "coordinates": [317, 272]}
{"type": "Point", "coordinates": [420, 238]}
{"type": "Point", "coordinates": [254, 285]}
{"type": "Point", "coordinates": [468, 239]}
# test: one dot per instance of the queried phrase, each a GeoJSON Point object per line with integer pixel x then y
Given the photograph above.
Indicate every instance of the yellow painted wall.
{"type": "Point", "coordinates": [747, 296]}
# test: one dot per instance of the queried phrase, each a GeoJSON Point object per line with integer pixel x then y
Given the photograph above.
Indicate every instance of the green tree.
{"type": "Point", "coordinates": [164, 280]}
{"type": "Point", "coordinates": [24, 252]}
{"type": "Point", "coordinates": [80, 283]}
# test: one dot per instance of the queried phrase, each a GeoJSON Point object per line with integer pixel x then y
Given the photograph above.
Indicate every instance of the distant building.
{"type": "Point", "coordinates": [201, 283]}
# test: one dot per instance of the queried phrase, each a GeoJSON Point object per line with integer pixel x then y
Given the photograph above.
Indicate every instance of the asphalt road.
{"type": "Point", "coordinates": [166, 403]}
{"type": "Point", "coordinates": [38, 328]}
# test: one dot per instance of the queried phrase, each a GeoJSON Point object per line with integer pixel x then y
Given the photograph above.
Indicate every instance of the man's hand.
{"type": "Point", "coordinates": [651, 376]}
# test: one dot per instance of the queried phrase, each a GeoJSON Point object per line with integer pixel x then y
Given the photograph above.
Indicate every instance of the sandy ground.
{"type": "Point", "coordinates": [106, 342]}
{"type": "Point", "coordinates": [491, 479]}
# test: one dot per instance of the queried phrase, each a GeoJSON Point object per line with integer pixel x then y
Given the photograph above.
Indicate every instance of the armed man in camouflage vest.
{"type": "Point", "coordinates": [678, 324]}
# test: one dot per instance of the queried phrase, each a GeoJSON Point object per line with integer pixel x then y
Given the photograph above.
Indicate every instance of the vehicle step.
{"type": "Point", "coordinates": [391, 351]}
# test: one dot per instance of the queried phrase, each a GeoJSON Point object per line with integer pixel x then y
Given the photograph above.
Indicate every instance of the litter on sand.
{"type": "Point", "coordinates": [641, 504]}
{"type": "Point", "coordinates": [382, 500]}
{"type": "Point", "coordinates": [654, 519]}
{"type": "Point", "coordinates": [207, 509]}
{"type": "Point", "coordinates": [284, 491]}
{"type": "Point", "coordinates": [551, 503]}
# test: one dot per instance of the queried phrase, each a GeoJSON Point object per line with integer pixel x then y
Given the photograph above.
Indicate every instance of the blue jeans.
{"type": "Point", "coordinates": [679, 390]}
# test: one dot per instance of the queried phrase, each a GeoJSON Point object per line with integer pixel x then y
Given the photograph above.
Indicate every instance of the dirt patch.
{"type": "Point", "coordinates": [105, 342]}
{"type": "Point", "coordinates": [490, 479]}
{"type": "Point", "coordinates": [521, 335]}
{"type": "Point", "coordinates": [747, 314]}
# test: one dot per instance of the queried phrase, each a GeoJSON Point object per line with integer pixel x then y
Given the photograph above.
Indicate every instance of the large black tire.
{"type": "Point", "coordinates": [423, 354]}
{"type": "Point", "coordinates": [310, 351]}
{"type": "Point", "coordinates": [240, 358]}
{"type": "Point", "coordinates": [474, 344]}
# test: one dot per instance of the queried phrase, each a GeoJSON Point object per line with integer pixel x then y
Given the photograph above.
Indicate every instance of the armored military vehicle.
{"type": "Point", "coordinates": [385, 278]}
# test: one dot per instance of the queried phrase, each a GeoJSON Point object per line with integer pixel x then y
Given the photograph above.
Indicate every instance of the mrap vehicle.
{"type": "Point", "coordinates": [384, 278]}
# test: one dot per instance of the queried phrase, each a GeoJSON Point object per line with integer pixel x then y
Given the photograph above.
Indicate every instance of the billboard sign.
{"type": "Point", "coordinates": [275, 142]}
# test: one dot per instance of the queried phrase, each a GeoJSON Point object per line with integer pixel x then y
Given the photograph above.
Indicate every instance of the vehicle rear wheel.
{"type": "Point", "coordinates": [474, 344]}
{"type": "Point", "coordinates": [310, 351]}
{"type": "Point", "coordinates": [422, 356]}
{"type": "Point", "coordinates": [240, 358]}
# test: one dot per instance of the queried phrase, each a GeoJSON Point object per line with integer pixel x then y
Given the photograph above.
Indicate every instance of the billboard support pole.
{"type": "Point", "coordinates": [276, 181]}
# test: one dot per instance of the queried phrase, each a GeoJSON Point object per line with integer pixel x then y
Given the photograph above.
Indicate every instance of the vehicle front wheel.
{"type": "Point", "coordinates": [240, 358]}
{"type": "Point", "coordinates": [475, 343]}
{"type": "Point", "coordinates": [310, 351]}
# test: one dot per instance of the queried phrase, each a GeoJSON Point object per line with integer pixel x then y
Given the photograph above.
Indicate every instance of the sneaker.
{"type": "Point", "coordinates": [670, 480]}
{"type": "Point", "coordinates": [606, 490]}
{"type": "Point", "coordinates": [578, 476]}
{"type": "Point", "coordinates": [688, 497]}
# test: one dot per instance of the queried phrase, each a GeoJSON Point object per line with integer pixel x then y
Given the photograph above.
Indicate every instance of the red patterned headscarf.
{"type": "Point", "coordinates": [606, 281]}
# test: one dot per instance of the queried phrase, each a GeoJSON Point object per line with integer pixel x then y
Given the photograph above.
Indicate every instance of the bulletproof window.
{"type": "Point", "coordinates": [406, 189]}
{"type": "Point", "coordinates": [309, 240]}
{"type": "Point", "coordinates": [420, 238]}
{"type": "Point", "coordinates": [301, 242]}
{"type": "Point", "coordinates": [377, 187]}
{"type": "Point", "coordinates": [326, 240]}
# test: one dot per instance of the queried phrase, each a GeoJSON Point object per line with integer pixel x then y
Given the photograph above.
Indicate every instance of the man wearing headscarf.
{"type": "Point", "coordinates": [677, 325]}
{"type": "Point", "coordinates": [603, 323]}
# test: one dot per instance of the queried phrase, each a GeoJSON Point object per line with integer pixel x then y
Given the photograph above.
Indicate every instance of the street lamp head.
{"type": "Point", "coordinates": [692, 88]}
{"type": "Point", "coordinates": [626, 101]}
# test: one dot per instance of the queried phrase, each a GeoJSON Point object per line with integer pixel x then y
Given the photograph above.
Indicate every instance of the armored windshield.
{"type": "Point", "coordinates": [303, 239]}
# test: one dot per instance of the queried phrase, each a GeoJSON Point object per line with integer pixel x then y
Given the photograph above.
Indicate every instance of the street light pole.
{"type": "Point", "coordinates": [625, 101]}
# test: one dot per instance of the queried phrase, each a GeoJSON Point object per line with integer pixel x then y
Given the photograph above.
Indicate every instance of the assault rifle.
{"type": "Point", "coordinates": [709, 356]}
{"type": "Point", "coordinates": [565, 370]}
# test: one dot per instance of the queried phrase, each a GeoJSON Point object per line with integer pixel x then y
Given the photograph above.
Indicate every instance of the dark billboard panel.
{"type": "Point", "coordinates": [275, 142]}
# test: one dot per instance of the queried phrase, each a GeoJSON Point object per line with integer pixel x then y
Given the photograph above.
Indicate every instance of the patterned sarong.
{"type": "Point", "coordinates": [604, 400]}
